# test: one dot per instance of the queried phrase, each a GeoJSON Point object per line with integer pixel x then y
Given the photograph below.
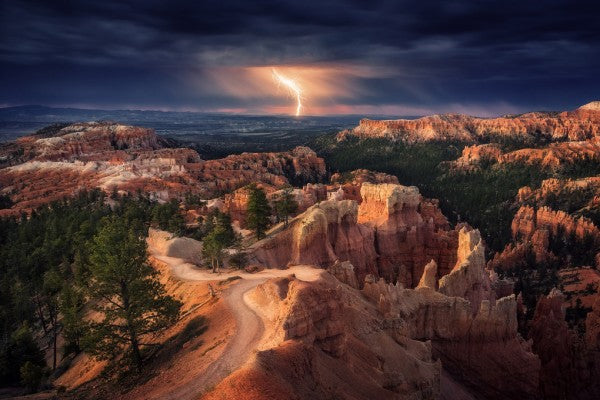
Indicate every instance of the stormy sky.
{"type": "Point", "coordinates": [376, 57]}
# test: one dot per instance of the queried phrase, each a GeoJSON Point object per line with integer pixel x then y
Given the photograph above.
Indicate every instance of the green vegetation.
{"type": "Point", "coordinates": [575, 317]}
{"type": "Point", "coordinates": [47, 264]}
{"type": "Point", "coordinates": [126, 292]}
{"type": "Point", "coordinates": [259, 211]}
{"type": "Point", "coordinates": [21, 359]}
{"type": "Point", "coordinates": [484, 196]}
{"type": "Point", "coordinates": [285, 205]}
{"type": "Point", "coordinates": [413, 164]}
{"type": "Point", "coordinates": [168, 217]}
{"type": "Point", "coordinates": [219, 236]}
{"type": "Point", "coordinates": [5, 202]}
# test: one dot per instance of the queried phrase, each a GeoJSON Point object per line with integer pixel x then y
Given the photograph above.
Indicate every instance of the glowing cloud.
{"type": "Point", "coordinates": [317, 89]}
{"type": "Point", "coordinates": [293, 87]}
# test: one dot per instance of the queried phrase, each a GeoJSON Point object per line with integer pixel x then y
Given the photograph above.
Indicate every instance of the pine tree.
{"type": "Point", "coordinates": [259, 211]}
{"type": "Point", "coordinates": [71, 302]}
{"type": "Point", "coordinates": [51, 288]}
{"type": "Point", "coordinates": [127, 294]}
{"type": "Point", "coordinates": [285, 205]}
{"type": "Point", "coordinates": [218, 238]}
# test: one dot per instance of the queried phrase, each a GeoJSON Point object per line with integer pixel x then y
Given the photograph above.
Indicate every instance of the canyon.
{"type": "Point", "coordinates": [125, 159]}
{"type": "Point", "coordinates": [579, 124]}
{"type": "Point", "coordinates": [370, 290]}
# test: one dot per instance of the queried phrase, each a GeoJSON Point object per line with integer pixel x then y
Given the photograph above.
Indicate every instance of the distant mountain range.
{"type": "Point", "coordinates": [22, 120]}
{"type": "Point", "coordinates": [40, 113]}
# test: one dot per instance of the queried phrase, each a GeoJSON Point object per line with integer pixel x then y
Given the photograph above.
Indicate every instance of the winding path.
{"type": "Point", "coordinates": [249, 326]}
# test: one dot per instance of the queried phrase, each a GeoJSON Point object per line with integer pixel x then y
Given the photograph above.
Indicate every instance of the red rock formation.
{"type": "Point", "coordinates": [533, 229]}
{"type": "Point", "coordinates": [393, 233]}
{"type": "Point", "coordinates": [236, 202]}
{"type": "Point", "coordinates": [474, 155]}
{"type": "Point", "coordinates": [583, 123]}
{"type": "Point", "coordinates": [350, 183]}
{"type": "Point", "coordinates": [510, 257]}
{"type": "Point", "coordinates": [409, 232]}
{"type": "Point", "coordinates": [325, 340]}
{"type": "Point", "coordinates": [299, 166]}
{"type": "Point", "coordinates": [469, 279]}
{"type": "Point", "coordinates": [474, 335]}
{"type": "Point", "coordinates": [537, 225]}
{"type": "Point", "coordinates": [478, 343]}
{"type": "Point", "coordinates": [344, 272]}
{"type": "Point", "coordinates": [553, 156]}
{"type": "Point", "coordinates": [586, 190]}
{"type": "Point", "coordinates": [552, 343]}
{"type": "Point", "coordinates": [236, 205]}
{"type": "Point", "coordinates": [117, 157]}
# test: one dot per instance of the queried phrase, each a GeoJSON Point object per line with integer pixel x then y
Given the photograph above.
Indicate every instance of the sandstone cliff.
{"type": "Point", "coordinates": [325, 340]}
{"type": "Point", "coordinates": [476, 339]}
{"type": "Point", "coordinates": [393, 233]}
{"type": "Point", "coordinates": [553, 344]}
{"type": "Point", "coordinates": [579, 124]}
{"type": "Point", "coordinates": [554, 155]}
{"type": "Point", "coordinates": [111, 157]}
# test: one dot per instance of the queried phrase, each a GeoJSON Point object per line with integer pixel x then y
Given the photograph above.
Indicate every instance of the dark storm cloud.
{"type": "Point", "coordinates": [494, 55]}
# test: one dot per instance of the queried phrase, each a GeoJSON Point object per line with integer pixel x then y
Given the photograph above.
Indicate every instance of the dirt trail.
{"type": "Point", "coordinates": [249, 331]}
{"type": "Point", "coordinates": [249, 326]}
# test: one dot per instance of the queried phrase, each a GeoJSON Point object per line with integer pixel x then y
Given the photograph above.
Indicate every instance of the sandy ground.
{"type": "Point", "coordinates": [249, 326]}
{"type": "Point", "coordinates": [190, 272]}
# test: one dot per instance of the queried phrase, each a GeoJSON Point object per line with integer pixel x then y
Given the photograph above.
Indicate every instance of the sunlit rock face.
{"type": "Point", "coordinates": [449, 299]}
{"type": "Point", "coordinates": [533, 229]}
{"type": "Point", "coordinates": [113, 157]}
{"type": "Point", "coordinates": [580, 124]}
{"type": "Point", "coordinates": [474, 334]}
{"type": "Point", "coordinates": [393, 233]}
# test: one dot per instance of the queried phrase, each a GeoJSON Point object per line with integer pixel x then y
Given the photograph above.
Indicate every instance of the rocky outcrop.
{"type": "Point", "coordinates": [84, 142]}
{"type": "Point", "coordinates": [236, 203]}
{"type": "Point", "coordinates": [538, 225]}
{"type": "Point", "coordinates": [478, 343]}
{"type": "Point", "coordinates": [474, 334]}
{"type": "Point", "coordinates": [429, 278]}
{"type": "Point", "coordinates": [164, 244]}
{"type": "Point", "coordinates": [325, 340]}
{"type": "Point", "coordinates": [393, 233]}
{"type": "Point", "coordinates": [579, 124]}
{"type": "Point", "coordinates": [344, 272]}
{"type": "Point", "coordinates": [552, 156]}
{"type": "Point", "coordinates": [349, 183]}
{"type": "Point", "coordinates": [315, 317]}
{"type": "Point", "coordinates": [409, 232]}
{"type": "Point", "coordinates": [555, 154]}
{"type": "Point", "coordinates": [468, 279]}
{"type": "Point", "coordinates": [297, 167]}
{"type": "Point", "coordinates": [325, 233]}
{"type": "Point", "coordinates": [552, 343]}
{"type": "Point", "coordinates": [592, 106]}
{"type": "Point", "coordinates": [476, 155]}
{"type": "Point", "coordinates": [40, 169]}
{"type": "Point", "coordinates": [534, 230]}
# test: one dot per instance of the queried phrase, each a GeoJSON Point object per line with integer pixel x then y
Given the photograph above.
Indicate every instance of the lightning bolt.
{"type": "Point", "coordinates": [294, 89]}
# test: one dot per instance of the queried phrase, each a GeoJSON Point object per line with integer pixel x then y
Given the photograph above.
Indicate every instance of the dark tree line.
{"type": "Point", "coordinates": [70, 254]}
